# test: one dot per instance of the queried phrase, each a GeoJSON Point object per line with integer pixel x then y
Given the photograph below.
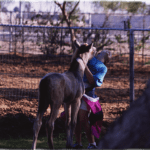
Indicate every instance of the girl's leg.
{"type": "Point", "coordinates": [85, 122]}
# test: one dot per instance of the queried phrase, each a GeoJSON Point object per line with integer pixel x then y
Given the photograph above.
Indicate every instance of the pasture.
{"type": "Point", "coordinates": [27, 54]}
{"type": "Point", "coordinates": [19, 80]}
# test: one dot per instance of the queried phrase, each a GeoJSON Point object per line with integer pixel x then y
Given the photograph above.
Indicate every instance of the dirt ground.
{"type": "Point", "coordinates": [20, 76]}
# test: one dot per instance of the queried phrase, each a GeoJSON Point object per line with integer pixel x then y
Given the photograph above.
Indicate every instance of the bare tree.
{"type": "Point", "coordinates": [67, 18]}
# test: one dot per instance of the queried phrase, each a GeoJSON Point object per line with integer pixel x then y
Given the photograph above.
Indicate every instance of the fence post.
{"type": "Point", "coordinates": [131, 65]}
{"type": "Point", "coordinates": [10, 33]}
{"type": "Point", "coordinates": [22, 41]}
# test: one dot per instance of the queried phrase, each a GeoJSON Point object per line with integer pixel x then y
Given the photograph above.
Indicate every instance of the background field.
{"type": "Point", "coordinates": [33, 43]}
{"type": "Point", "coordinates": [20, 77]}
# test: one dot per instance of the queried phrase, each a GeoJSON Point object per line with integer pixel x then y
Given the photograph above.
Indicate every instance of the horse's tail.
{"type": "Point", "coordinates": [44, 95]}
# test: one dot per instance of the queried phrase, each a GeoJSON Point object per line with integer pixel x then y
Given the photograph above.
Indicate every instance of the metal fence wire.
{"type": "Point", "coordinates": [27, 53]}
{"type": "Point", "coordinates": [84, 19]}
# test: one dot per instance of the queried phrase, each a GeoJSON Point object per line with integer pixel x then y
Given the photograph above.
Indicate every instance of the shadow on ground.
{"type": "Point", "coordinates": [21, 126]}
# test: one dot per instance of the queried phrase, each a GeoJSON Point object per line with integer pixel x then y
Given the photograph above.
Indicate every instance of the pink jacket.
{"type": "Point", "coordinates": [95, 108]}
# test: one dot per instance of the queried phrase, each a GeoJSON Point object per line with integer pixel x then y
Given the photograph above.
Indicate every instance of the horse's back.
{"type": "Point", "coordinates": [51, 88]}
{"type": "Point", "coordinates": [60, 87]}
{"type": "Point", "coordinates": [73, 88]}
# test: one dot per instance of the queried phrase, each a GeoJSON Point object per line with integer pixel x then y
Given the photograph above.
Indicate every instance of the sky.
{"type": "Point", "coordinates": [41, 5]}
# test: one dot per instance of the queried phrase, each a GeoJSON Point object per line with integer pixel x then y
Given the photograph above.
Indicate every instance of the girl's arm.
{"type": "Point", "coordinates": [89, 76]}
{"type": "Point", "coordinates": [99, 76]}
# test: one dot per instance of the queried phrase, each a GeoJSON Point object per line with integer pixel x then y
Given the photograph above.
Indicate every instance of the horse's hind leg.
{"type": "Point", "coordinates": [36, 128]}
{"type": "Point", "coordinates": [38, 121]}
{"type": "Point", "coordinates": [50, 124]}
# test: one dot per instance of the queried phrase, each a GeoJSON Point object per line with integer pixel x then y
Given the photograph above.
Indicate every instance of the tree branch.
{"type": "Point", "coordinates": [67, 19]}
{"type": "Point", "coordinates": [65, 15]}
{"type": "Point", "coordinates": [57, 3]}
{"type": "Point", "coordinates": [73, 9]}
{"type": "Point", "coordinates": [64, 5]}
{"type": "Point", "coordinates": [107, 43]}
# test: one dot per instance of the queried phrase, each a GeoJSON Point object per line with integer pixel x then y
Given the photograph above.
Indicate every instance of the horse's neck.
{"type": "Point", "coordinates": [81, 66]}
{"type": "Point", "coordinates": [77, 67]}
{"type": "Point", "coordinates": [81, 63]}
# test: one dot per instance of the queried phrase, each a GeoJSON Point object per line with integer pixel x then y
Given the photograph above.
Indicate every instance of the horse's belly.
{"type": "Point", "coordinates": [73, 93]}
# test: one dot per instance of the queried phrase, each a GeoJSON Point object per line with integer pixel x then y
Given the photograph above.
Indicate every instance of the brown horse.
{"type": "Point", "coordinates": [67, 88]}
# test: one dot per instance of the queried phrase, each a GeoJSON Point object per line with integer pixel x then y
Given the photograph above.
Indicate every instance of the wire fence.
{"type": "Point", "coordinates": [83, 19]}
{"type": "Point", "coordinates": [29, 52]}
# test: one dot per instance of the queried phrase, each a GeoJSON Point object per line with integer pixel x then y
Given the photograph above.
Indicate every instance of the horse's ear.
{"type": "Point", "coordinates": [75, 53]}
{"type": "Point", "coordinates": [77, 44]}
{"type": "Point", "coordinates": [90, 46]}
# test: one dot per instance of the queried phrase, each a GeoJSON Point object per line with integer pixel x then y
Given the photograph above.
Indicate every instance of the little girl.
{"type": "Point", "coordinates": [94, 75]}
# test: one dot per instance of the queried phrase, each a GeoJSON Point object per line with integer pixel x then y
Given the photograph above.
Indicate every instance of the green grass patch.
{"type": "Point", "coordinates": [26, 143]}
{"type": "Point", "coordinates": [23, 143]}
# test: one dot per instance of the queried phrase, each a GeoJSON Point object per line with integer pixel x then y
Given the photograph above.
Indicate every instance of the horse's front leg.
{"type": "Point", "coordinates": [74, 113]}
{"type": "Point", "coordinates": [68, 124]}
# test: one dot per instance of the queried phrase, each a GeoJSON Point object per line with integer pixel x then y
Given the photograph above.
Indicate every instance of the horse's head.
{"type": "Point", "coordinates": [85, 52]}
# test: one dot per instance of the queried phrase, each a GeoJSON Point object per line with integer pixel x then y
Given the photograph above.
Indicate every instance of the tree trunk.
{"type": "Point", "coordinates": [66, 17]}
